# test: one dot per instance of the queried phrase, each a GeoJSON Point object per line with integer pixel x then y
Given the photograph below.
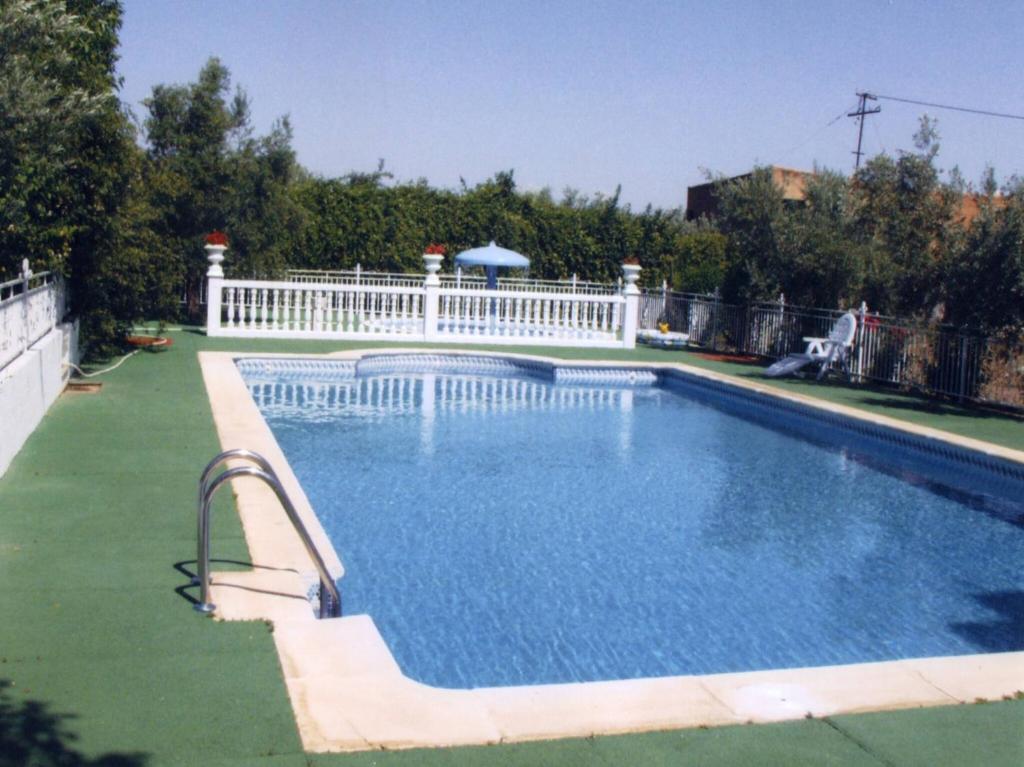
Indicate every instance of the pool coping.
{"type": "Point", "coordinates": [348, 693]}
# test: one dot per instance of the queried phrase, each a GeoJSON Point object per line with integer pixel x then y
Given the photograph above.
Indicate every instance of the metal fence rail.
{"type": "Point", "coordinates": [355, 276]}
{"type": "Point", "coordinates": [457, 279]}
{"type": "Point", "coordinates": [935, 359]}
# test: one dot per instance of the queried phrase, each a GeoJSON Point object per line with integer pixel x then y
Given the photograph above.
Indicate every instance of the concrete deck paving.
{"type": "Point", "coordinates": [103, 662]}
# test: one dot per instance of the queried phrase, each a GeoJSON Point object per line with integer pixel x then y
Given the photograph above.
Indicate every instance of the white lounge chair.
{"type": "Point", "coordinates": [823, 351]}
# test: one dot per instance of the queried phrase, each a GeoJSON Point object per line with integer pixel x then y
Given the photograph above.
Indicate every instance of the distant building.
{"type": "Point", "coordinates": [970, 207]}
{"type": "Point", "coordinates": [702, 201]}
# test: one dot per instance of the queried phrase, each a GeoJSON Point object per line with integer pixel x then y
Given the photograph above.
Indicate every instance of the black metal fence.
{"type": "Point", "coordinates": [932, 358]}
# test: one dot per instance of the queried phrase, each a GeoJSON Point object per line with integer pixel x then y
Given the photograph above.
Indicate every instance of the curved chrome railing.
{"type": "Point", "coordinates": [204, 480]}
{"type": "Point", "coordinates": [330, 598]}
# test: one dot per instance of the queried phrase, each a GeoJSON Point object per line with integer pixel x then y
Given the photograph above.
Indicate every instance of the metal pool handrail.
{"type": "Point", "coordinates": [203, 520]}
{"type": "Point", "coordinates": [330, 598]}
{"type": "Point", "coordinates": [227, 455]}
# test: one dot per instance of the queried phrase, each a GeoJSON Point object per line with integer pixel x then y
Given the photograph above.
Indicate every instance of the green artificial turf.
{"type": "Point", "coordinates": [103, 661]}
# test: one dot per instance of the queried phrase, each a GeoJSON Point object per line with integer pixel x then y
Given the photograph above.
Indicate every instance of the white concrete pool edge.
{"type": "Point", "coordinates": [349, 694]}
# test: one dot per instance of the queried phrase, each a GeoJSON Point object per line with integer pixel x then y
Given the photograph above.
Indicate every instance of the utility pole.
{"type": "Point", "coordinates": [861, 113]}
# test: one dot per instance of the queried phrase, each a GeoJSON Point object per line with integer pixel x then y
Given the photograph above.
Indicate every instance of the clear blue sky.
{"type": "Point", "coordinates": [592, 94]}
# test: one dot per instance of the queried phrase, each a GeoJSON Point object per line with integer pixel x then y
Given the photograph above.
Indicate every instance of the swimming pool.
{"type": "Point", "coordinates": [682, 528]}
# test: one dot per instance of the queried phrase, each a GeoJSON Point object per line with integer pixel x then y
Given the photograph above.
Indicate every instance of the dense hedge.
{"type": "Point", "coordinates": [386, 228]}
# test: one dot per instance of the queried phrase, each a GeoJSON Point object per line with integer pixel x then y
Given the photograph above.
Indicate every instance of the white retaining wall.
{"type": "Point", "coordinates": [30, 384]}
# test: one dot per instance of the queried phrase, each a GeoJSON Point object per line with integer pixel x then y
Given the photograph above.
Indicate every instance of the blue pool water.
{"type": "Point", "coordinates": [509, 530]}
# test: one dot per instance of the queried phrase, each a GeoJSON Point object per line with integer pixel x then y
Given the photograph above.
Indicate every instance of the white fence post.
{"type": "Point", "coordinates": [630, 273]}
{"type": "Point", "coordinates": [862, 336]}
{"type": "Point", "coordinates": [431, 295]}
{"type": "Point", "coordinates": [26, 273]}
{"type": "Point", "coordinates": [214, 283]}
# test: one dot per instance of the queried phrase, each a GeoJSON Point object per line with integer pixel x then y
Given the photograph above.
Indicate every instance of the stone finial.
{"type": "Point", "coordinates": [432, 263]}
{"type": "Point", "coordinates": [215, 255]}
{"type": "Point", "coordinates": [630, 274]}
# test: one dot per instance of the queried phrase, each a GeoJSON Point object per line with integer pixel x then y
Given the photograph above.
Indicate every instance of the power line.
{"type": "Point", "coordinates": [818, 132]}
{"type": "Point", "coordinates": [840, 116]}
{"type": "Point", "coordinates": [955, 109]}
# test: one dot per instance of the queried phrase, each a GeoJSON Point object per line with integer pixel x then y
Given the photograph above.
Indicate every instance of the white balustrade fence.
{"type": "Point", "coordinates": [303, 310]}
{"type": "Point", "coordinates": [547, 318]}
{"type": "Point", "coordinates": [30, 307]}
{"type": "Point", "coordinates": [433, 308]}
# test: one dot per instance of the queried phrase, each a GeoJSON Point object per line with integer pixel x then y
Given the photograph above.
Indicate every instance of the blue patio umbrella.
{"type": "Point", "coordinates": [491, 257]}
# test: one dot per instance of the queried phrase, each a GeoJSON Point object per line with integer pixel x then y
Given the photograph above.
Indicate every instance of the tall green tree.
{"type": "Point", "coordinates": [48, 102]}
{"type": "Point", "coordinates": [206, 171]}
{"type": "Point", "coordinates": [906, 219]}
{"type": "Point", "coordinates": [66, 150]}
{"type": "Point", "coordinates": [751, 212]}
{"type": "Point", "coordinates": [697, 261]}
{"type": "Point", "coordinates": [821, 258]}
{"type": "Point", "coordinates": [984, 281]}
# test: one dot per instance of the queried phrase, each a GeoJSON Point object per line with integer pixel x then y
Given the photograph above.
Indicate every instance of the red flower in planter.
{"type": "Point", "coordinates": [217, 238]}
{"type": "Point", "coordinates": [632, 261]}
{"type": "Point", "coordinates": [435, 250]}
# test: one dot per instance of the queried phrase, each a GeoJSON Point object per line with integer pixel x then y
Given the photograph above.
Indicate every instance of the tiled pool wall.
{"type": "Point", "coordinates": [933, 458]}
{"type": "Point", "coordinates": [290, 370]}
{"type": "Point", "coordinates": [341, 370]}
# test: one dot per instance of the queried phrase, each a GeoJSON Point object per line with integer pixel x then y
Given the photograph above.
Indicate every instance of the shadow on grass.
{"type": "Point", "coordinates": [1005, 633]}
{"type": "Point", "coordinates": [935, 407]}
{"type": "Point", "coordinates": [32, 734]}
{"type": "Point", "coordinates": [189, 569]}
